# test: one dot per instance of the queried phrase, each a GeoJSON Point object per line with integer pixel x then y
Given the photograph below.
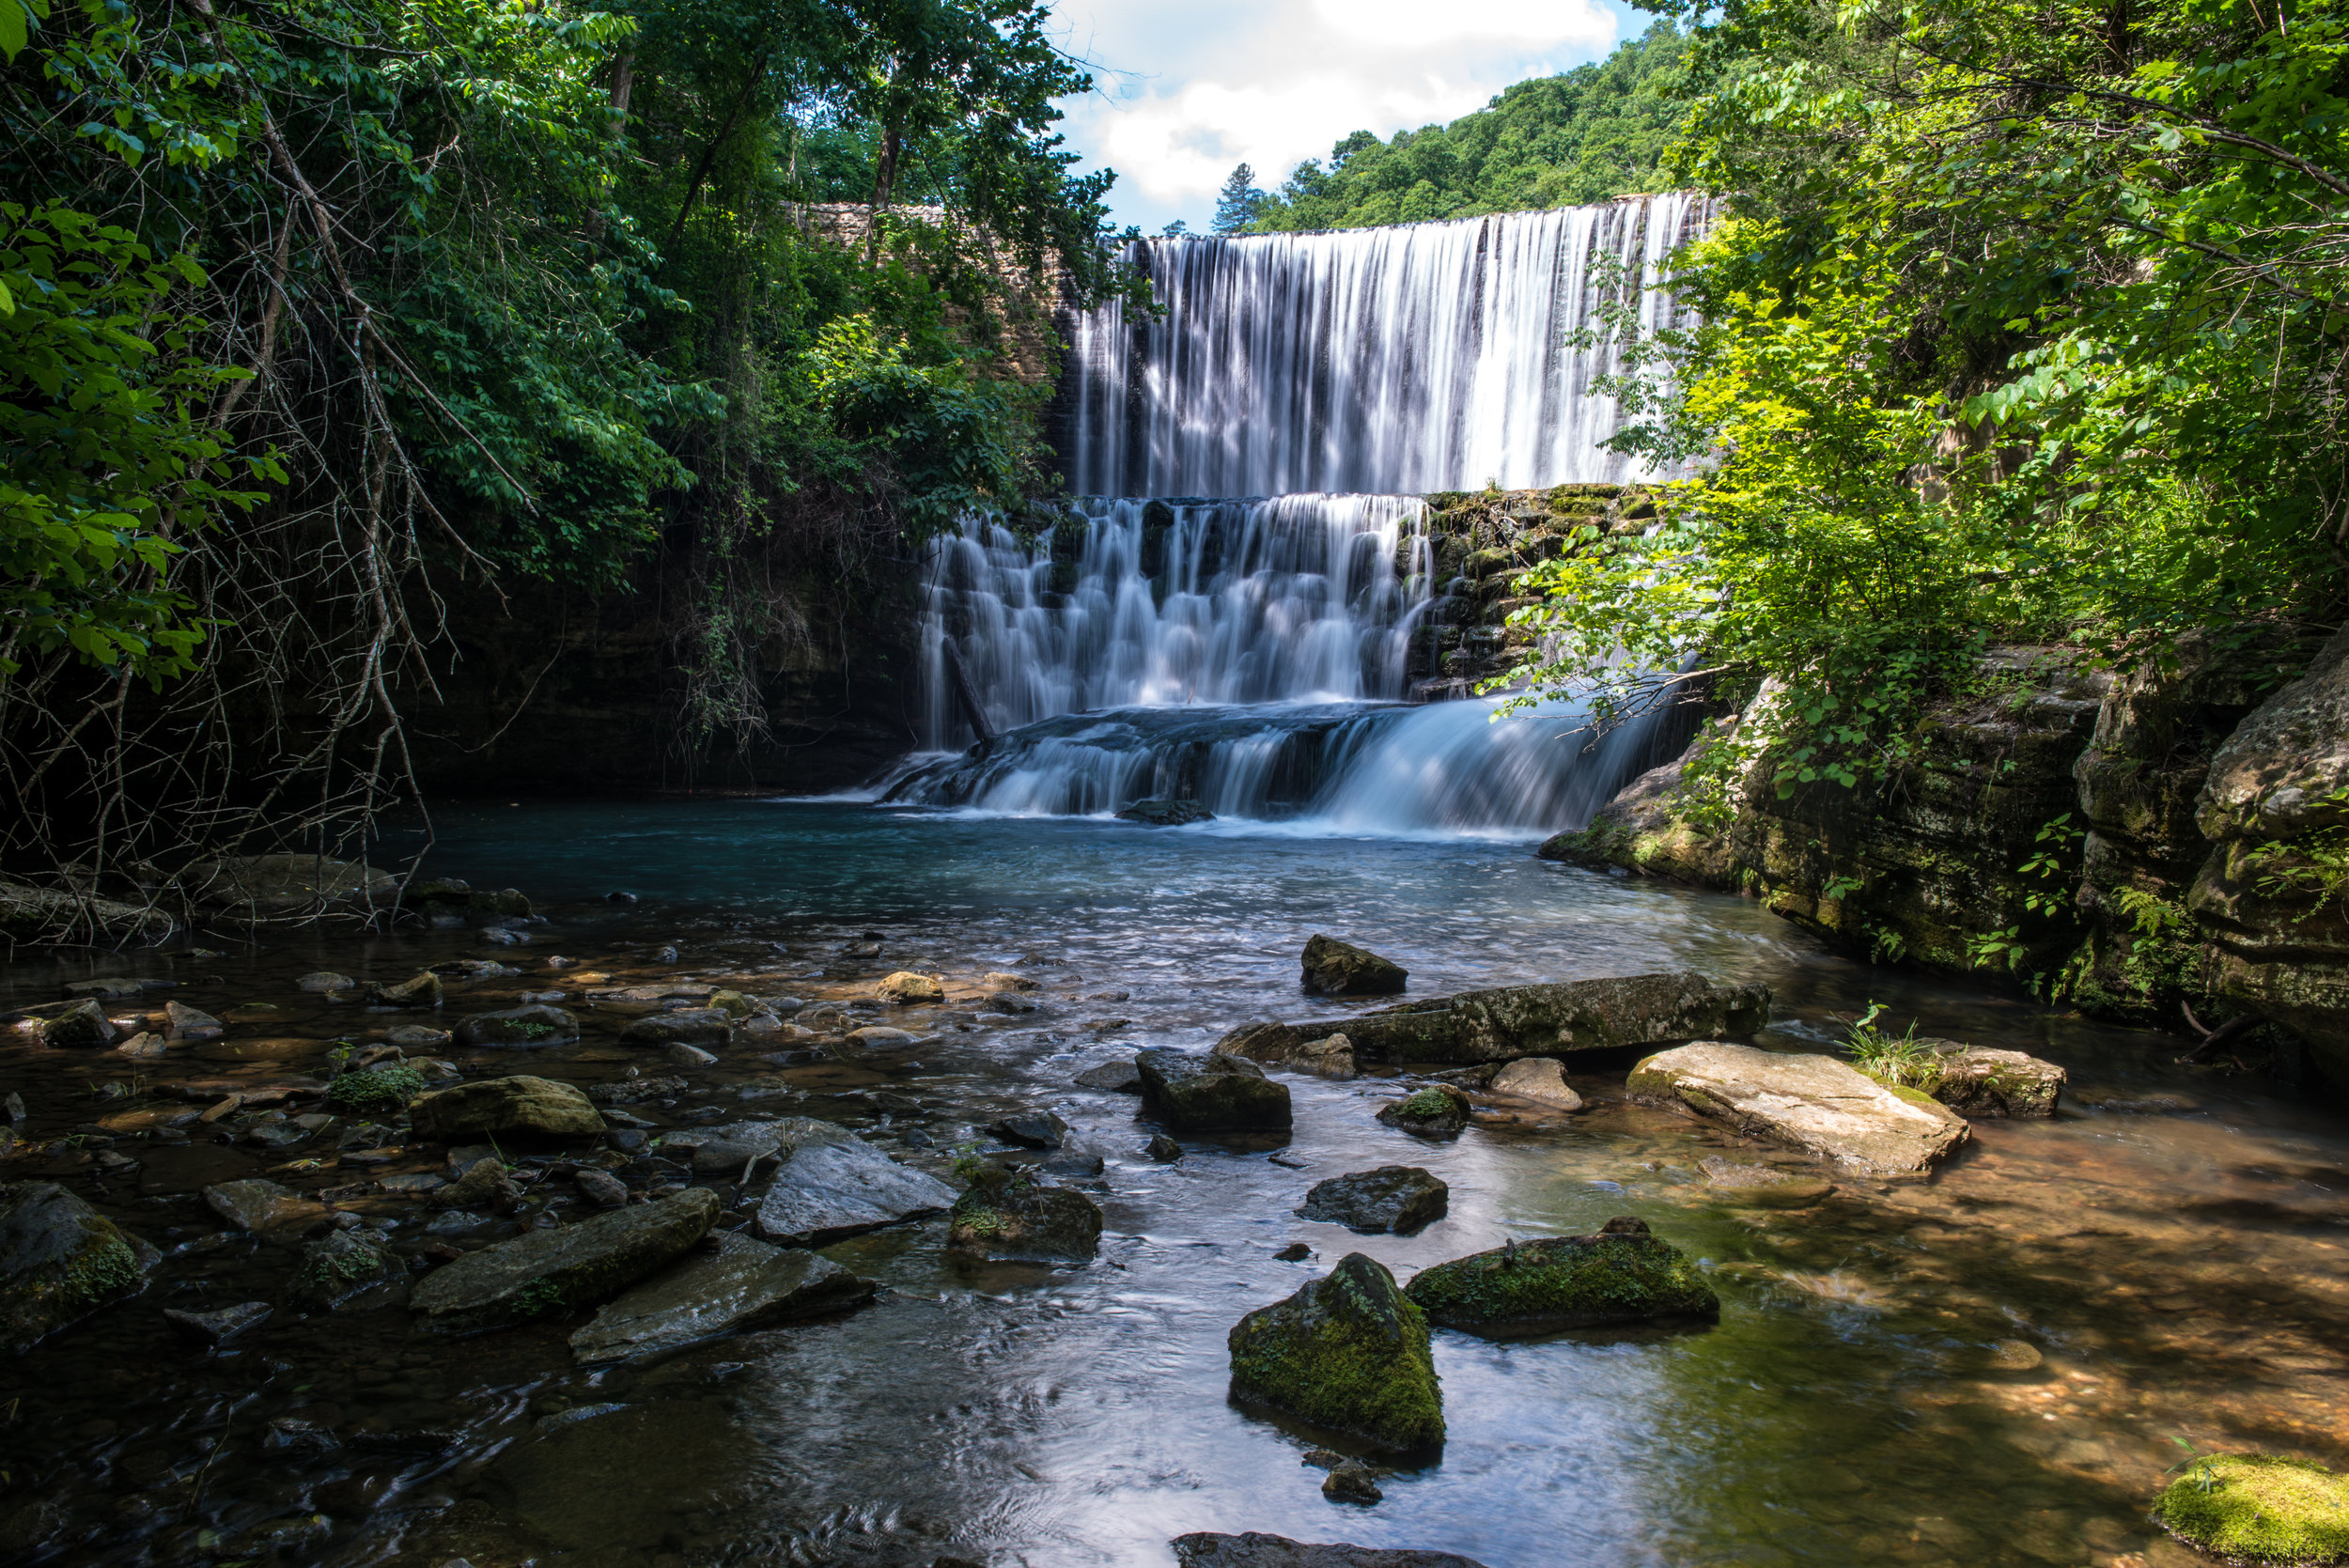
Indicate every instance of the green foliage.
{"type": "Point", "coordinates": [1588, 134]}
{"type": "Point", "coordinates": [1898, 1061]}
{"type": "Point", "coordinates": [111, 461]}
{"type": "Point", "coordinates": [382, 1092]}
{"type": "Point", "coordinates": [1239, 203]}
{"type": "Point", "coordinates": [2016, 332]}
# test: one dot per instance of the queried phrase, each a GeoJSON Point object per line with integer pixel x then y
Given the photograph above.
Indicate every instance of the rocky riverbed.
{"type": "Point", "coordinates": [1991, 1364]}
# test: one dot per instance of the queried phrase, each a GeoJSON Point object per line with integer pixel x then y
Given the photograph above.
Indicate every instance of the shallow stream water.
{"type": "Point", "coordinates": [1997, 1366]}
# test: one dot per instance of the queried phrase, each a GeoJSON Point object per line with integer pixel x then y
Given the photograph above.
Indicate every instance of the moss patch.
{"type": "Point", "coordinates": [1425, 1105]}
{"type": "Point", "coordinates": [2255, 1508]}
{"type": "Point", "coordinates": [383, 1094]}
{"type": "Point", "coordinates": [1566, 1282]}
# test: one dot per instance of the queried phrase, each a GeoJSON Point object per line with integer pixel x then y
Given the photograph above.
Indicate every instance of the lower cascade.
{"type": "Point", "coordinates": [1250, 654]}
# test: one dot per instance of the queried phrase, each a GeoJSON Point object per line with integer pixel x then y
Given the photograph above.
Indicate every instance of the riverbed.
{"type": "Point", "coordinates": [1999, 1365]}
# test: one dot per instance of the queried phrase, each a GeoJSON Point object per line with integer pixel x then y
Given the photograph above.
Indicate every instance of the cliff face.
{"type": "Point", "coordinates": [2129, 845]}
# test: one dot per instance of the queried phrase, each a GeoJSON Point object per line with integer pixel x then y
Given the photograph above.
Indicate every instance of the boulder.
{"type": "Point", "coordinates": [84, 1023]}
{"type": "Point", "coordinates": [1120, 1077]}
{"type": "Point", "coordinates": [743, 1285]}
{"type": "Point", "coordinates": [337, 1267]}
{"type": "Point", "coordinates": [219, 1325]}
{"type": "Point", "coordinates": [188, 1023]}
{"type": "Point", "coordinates": [143, 1046]}
{"type": "Point", "coordinates": [601, 1188]}
{"type": "Point", "coordinates": [1210, 1093]}
{"type": "Point", "coordinates": [1644, 830]}
{"type": "Point", "coordinates": [424, 990]}
{"type": "Point", "coordinates": [1539, 1079]}
{"type": "Point", "coordinates": [1979, 1082]}
{"type": "Point", "coordinates": [535, 1025]}
{"type": "Point", "coordinates": [1007, 1217]}
{"type": "Point", "coordinates": [60, 1261]}
{"type": "Point", "coordinates": [1621, 1275]}
{"type": "Point", "coordinates": [2258, 1508]}
{"type": "Point", "coordinates": [412, 1036]}
{"type": "Point", "coordinates": [263, 1208]}
{"type": "Point", "coordinates": [1332, 1056]}
{"type": "Point", "coordinates": [1254, 1550]}
{"type": "Point", "coordinates": [1761, 1184]}
{"type": "Point", "coordinates": [1551, 1020]}
{"type": "Point", "coordinates": [484, 1184]}
{"type": "Point", "coordinates": [1166, 814]}
{"type": "Point", "coordinates": [1032, 1130]}
{"type": "Point", "coordinates": [832, 1183]}
{"type": "Point", "coordinates": [692, 1026]}
{"type": "Point", "coordinates": [542, 1273]}
{"type": "Point", "coordinates": [737, 1005]}
{"type": "Point", "coordinates": [909, 989]}
{"type": "Point", "coordinates": [1336, 968]}
{"type": "Point", "coordinates": [1398, 1198]}
{"type": "Point", "coordinates": [1814, 1103]}
{"type": "Point", "coordinates": [1437, 1111]}
{"type": "Point", "coordinates": [1347, 1352]}
{"type": "Point", "coordinates": [504, 1104]}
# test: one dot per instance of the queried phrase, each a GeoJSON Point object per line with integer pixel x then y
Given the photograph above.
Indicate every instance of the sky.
{"type": "Point", "coordinates": [1185, 89]}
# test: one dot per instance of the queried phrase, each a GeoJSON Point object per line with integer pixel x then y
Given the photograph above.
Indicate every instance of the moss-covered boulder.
{"type": "Point", "coordinates": [1008, 1215]}
{"type": "Point", "coordinates": [1336, 968]}
{"type": "Point", "coordinates": [1438, 1110]}
{"type": "Point", "coordinates": [520, 1104]}
{"type": "Point", "coordinates": [84, 1023]}
{"type": "Point", "coordinates": [380, 1092]}
{"type": "Point", "coordinates": [1210, 1093]}
{"type": "Point", "coordinates": [543, 1273]}
{"type": "Point", "coordinates": [535, 1025]}
{"type": "Point", "coordinates": [337, 1268]}
{"type": "Point", "coordinates": [60, 1260]}
{"type": "Point", "coordinates": [1621, 1275]}
{"type": "Point", "coordinates": [1348, 1352]}
{"type": "Point", "coordinates": [2253, 1507]}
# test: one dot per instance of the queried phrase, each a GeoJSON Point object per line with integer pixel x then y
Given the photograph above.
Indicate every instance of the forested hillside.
{"type": "Point", "coordinates": [1584, 136]}
{"type": "Point", "coordinates": [314, 310]}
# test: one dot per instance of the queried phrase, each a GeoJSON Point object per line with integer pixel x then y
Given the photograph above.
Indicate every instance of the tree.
{"type": "Point", "coordinates": [1238, 204]}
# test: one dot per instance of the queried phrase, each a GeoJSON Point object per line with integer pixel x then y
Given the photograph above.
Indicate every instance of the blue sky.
{"type": "Point", "coordinates": [1185, 90]}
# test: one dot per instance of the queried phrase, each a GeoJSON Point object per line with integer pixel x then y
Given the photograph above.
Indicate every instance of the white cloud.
{"type": "Point", "coordinates": [1184, 92]}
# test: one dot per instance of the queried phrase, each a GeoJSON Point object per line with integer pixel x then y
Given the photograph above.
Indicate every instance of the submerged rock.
{"type": "Point", "coordinates": [832, 1183]}
{"type": "Point", "coordinates": [743, 1285]}
{"type": "Point", "coordinates": [1347, 1352]}
{"type": "Point", "coordinates": [1007, 1217]}
{"type": "Point", "coordinates": [1539, 1079]}
{"type": "Point", "coordinates": [1166, 814]}
{"type": "Point", "coordinates": [1808, 1102]}
{"type": "Point", "coordinates": [1761, 1184]}
{"type": "Point", "coordinates": [2256, 1508]}
{"type": "Point", "coordinates": [909, 989]}
{"type": "Point", "coordinates": [1210, 1093]}
{"type": "Point", "coordinates": [504, 1104]}
{"type": "Point", "coordinates": [1621, 1275]}
{"type": "Point", "coordinates": [1530, 1020]}
{"type": "Point", "coordinates": [219, 1325]}
{"type": "Point", "coordinates": [1397, 1198]}
{"type": "Point", "coordinates": [336, 1268]}
{"type": "Point", "coordinates": [541, 1273]}
{"type": "Point", "coordinates": [1120, 1077]}
{"type": "Point", "coordinates": [1336, 968]}
{"type": "Point", "coordinates": [1332, 1056]}
{"type": "Point", "coordinates": [60, 1261]}
{"type": "Point", "coordinates": [1254, 1551]}
{"type": "Point", "coordinates": [1438, 1110]}
{"type": "Point", "coordinates": [535, 1025]}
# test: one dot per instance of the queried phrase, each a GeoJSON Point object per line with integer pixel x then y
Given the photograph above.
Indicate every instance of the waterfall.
{"type": "Point", "coordinates": [1418, 358]}
{"type": "Point", "coordinates": [1251, 654]}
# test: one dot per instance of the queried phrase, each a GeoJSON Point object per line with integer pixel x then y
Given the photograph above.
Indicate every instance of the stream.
{"type": "Point", "coordinates": [1999, 1365]}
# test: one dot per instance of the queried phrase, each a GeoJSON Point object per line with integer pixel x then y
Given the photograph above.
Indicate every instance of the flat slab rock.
{"type": "Point", "coordinates": [1503, 1024]}
{"type": "Point", "coordinates": [542, 1273]}
{"type": "Point", "coordinates": [832, 1184]}
{"type": "Point", "coordinates": [743, 1285]}
{"type": "Point", "coordinates": [1814, 1103]}
{"type": "Point", "coordinates": [1254, 1550]}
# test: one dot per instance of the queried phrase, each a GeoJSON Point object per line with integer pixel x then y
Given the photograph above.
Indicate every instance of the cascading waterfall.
{"type": "Point", "coordinates": [1251, 654]}
{"type": "Point", "coordinates": [1418, 358]}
